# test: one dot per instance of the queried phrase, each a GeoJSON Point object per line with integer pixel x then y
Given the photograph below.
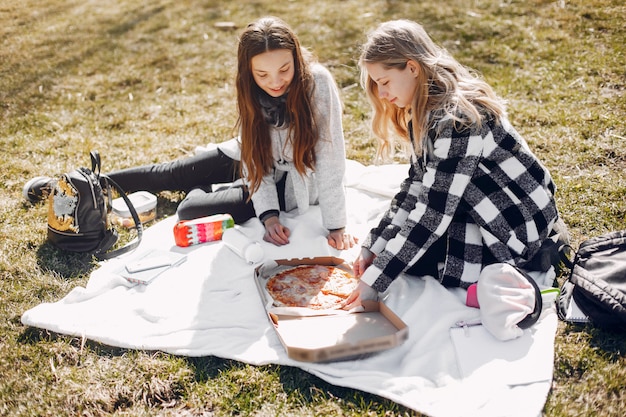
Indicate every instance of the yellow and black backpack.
{"type": "Point", "coordinates": [78, 208]}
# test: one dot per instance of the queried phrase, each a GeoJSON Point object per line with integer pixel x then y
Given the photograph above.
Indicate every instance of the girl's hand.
{"type": "Point", "coordinates": [361, 292]}
{"type": "Point", "coordinates": [275, 232]}
{"type": "Point", "coordinates": [363, 261]}
{"type": "Point", "coordinates": [341, 240]}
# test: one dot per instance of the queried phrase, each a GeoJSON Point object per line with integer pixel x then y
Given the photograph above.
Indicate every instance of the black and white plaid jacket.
{"type": "Point", "coordinates": [482, 190]}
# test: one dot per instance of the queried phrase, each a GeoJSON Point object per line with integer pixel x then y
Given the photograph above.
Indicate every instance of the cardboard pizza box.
{"type": "Point", "coordinates": [329, 335]}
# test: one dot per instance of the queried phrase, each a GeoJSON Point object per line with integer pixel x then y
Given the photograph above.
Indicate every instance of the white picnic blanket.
{"type": "Point", "coordinates": [209, 305]}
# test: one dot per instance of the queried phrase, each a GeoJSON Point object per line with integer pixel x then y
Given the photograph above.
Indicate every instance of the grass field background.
{"type": "Point", "coordinates": [147, 82]}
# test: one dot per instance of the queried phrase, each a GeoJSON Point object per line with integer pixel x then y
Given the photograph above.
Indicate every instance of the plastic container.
{"type": "Point", "coordinates": [144, 202]}
{"type": "Point", "coordinates": [203, 229]}
{"type": "Point", "coordinates": [242, 245]}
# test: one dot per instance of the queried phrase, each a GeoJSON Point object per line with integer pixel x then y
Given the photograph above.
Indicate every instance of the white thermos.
{"type": "Point", "coordinates": [242, 245]}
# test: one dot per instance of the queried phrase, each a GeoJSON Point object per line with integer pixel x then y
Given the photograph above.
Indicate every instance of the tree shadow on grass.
{"type": "Point", "coordinates": [33, 335]}
{"type": "Point", "coordinates": [611, 343]}
{"type": "Point", "coordinates": [64, 263]}
{"type": "Point", "coordinates": [294, 379]}
{"type": "Point", "coordinates": [307, 389]}
{"type": "Point", "coordinates": [298, 383]}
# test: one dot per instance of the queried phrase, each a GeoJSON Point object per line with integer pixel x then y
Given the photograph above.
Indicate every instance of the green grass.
{"type": "Point", "coordinates": [148, 81]}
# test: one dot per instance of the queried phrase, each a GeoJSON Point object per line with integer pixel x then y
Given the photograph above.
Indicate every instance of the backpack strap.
{"type": "Point", "coordinates": [564, 251]}
{"type": "Point", "coordinates": [138, 225]}
{"type": "Point", "coordinates": [95, 163]}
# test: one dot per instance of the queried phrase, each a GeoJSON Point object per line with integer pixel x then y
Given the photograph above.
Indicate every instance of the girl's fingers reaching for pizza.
{"type": "Point", "coordinates": [358, 267]}
{"type": "Point", "coordinates": [362, 262]}
{"type": "Point", "coordinates": [352, 302]}
{"type": "Point", "coordinates": [361, 292]}
{"type": "Point", "coordinates": [356, 309]}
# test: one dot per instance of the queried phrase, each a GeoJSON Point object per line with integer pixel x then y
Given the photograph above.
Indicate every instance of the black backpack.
{"type": "Point", "coordinates": [595, 290]}
{"type": "Point", "coordinates": [78, 208]}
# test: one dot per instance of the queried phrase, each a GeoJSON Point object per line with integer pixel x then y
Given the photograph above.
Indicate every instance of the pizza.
{"type": "Point", "coordinates": [318, 287]}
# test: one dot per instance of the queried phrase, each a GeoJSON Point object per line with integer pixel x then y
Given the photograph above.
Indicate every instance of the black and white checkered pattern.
{"type": "Point", "coordinates": [482, 190]}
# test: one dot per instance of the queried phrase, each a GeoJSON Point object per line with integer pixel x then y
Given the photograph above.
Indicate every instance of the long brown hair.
{"type": "Point", "coordinates": [443, 85]}
{"type": "Point", "coordinates": [263, 35]}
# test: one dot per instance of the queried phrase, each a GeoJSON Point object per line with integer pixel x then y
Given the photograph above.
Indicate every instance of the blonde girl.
{"type": "Point", "coordinates": [475, 194]}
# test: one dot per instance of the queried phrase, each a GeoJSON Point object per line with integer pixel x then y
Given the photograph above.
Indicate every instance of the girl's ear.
{"type": "Point", "coordinates": [413, 67]}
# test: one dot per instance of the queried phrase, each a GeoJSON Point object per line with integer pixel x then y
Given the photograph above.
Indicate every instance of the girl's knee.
{"type": "Point", "coordinates": [191, 206]}
{"type": "Point", "coordinates": [183, 211]}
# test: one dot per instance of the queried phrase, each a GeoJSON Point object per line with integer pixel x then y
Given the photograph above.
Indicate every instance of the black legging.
{"type": "Point", "coordinates": [195, 176]}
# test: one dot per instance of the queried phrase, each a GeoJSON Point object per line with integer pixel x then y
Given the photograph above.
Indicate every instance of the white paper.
{"type": "Point", "coordinates": [574, 313]}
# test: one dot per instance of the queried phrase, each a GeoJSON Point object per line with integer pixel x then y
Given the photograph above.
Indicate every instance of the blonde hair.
{"type": "Point", "coordinates": [263, 35]}
{"type": "Point", "coordinates": [444, 85]}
